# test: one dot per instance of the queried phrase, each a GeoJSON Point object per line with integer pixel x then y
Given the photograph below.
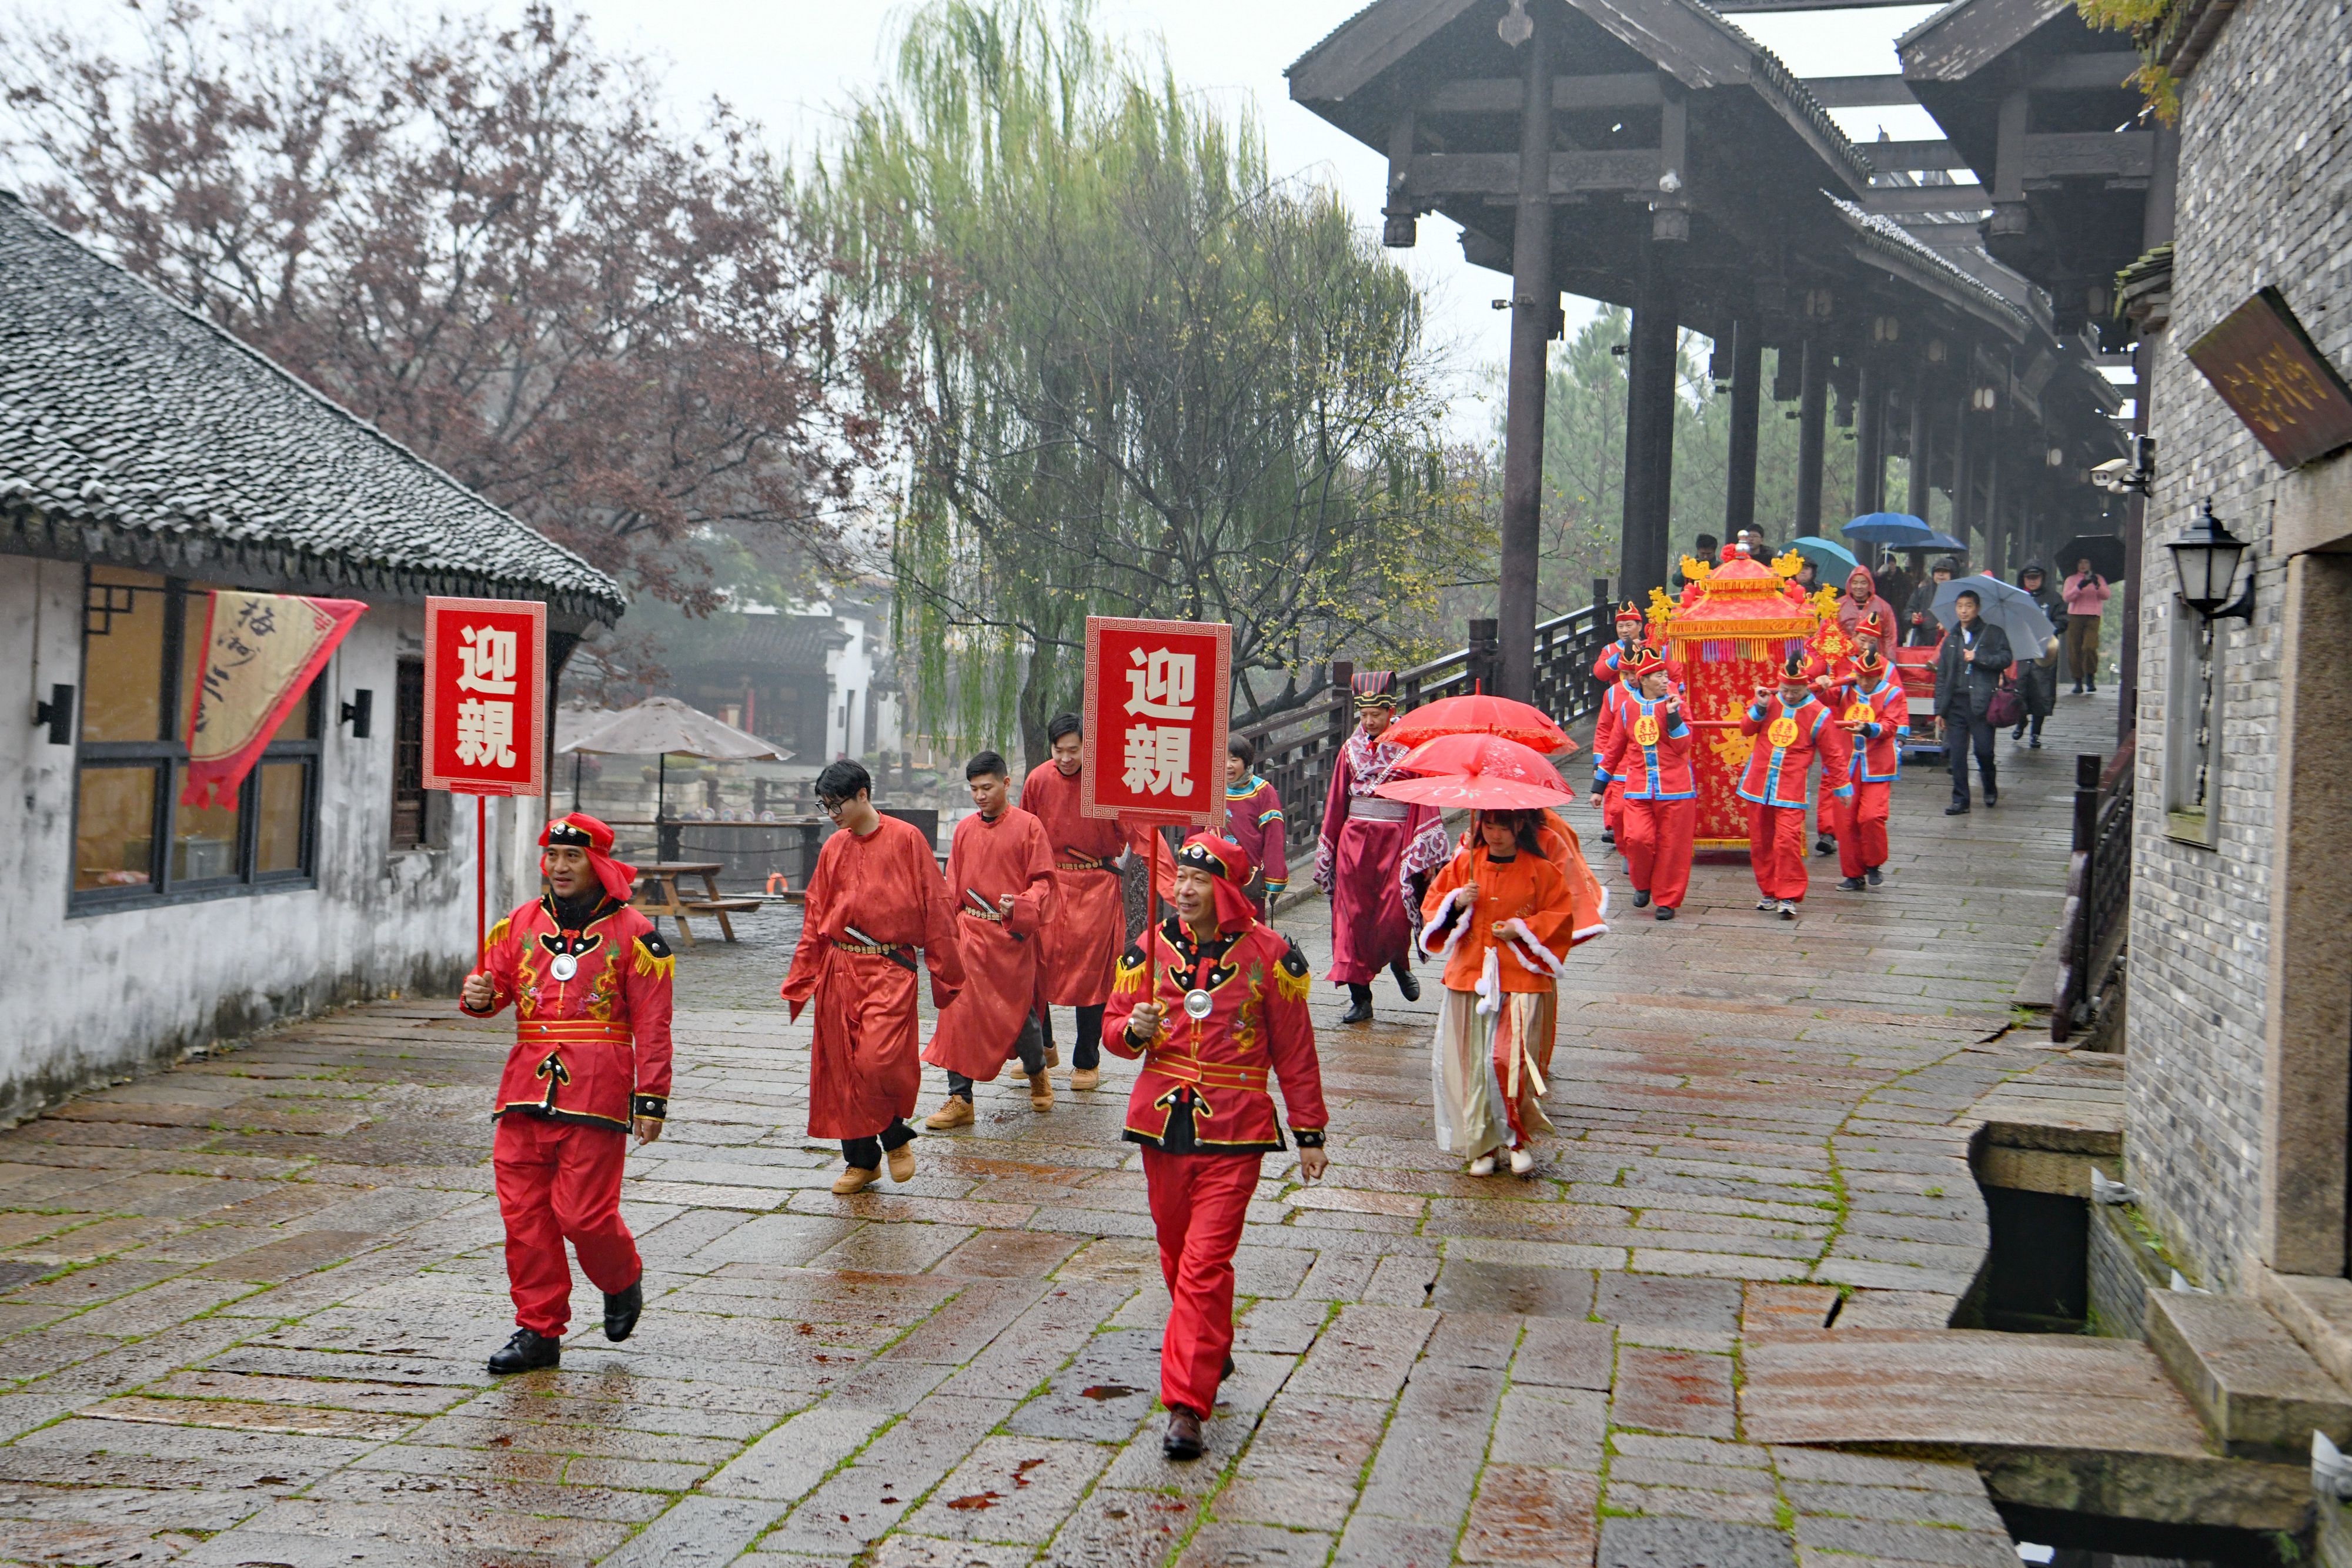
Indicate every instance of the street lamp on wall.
{"type": "Point", "coordinates": [2206, 558]}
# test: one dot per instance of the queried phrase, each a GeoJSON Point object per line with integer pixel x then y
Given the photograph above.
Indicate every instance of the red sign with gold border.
{"type": "Point", "coordinates": [485, 695]}
{"type": "Point", "coordinates": [1155, 713]}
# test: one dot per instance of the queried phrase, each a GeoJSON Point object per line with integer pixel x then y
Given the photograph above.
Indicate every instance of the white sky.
{"type": "Point", "coordinates": [790, 63]}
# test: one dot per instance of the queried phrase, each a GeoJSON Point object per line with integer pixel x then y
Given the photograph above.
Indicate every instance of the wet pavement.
{"type": "Point", "coordinates": [244, 1304]}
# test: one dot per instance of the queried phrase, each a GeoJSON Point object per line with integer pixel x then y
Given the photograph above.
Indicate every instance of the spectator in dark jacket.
{"type": "Point", "coordinates": [1968, 668]}
{"type": "Point", "coordinates": [2037, 674]}
{"type": "Point", "coordinates": [1920, 627]}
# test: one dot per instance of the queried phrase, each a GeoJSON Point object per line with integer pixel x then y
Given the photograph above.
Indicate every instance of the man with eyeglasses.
{"type": "Point", "coordinates": [876, 895]}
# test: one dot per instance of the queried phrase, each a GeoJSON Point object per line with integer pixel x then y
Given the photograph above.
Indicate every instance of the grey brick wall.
{"type": "Point", "coordinates": [2265, 164]}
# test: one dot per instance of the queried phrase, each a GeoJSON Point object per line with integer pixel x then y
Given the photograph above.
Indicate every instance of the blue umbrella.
{"type": "Point", "coordinates": [1896, 528]}
{"type": "Point", "coordinates": [2005, 605]}
{"type": "Point", "coordinates": [1830, 558]}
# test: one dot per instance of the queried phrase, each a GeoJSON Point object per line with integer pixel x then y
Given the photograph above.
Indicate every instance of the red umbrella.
{"type": "Point", "coordinates": [1480, 715]}
{"type": "Point", "coordinates": [1483, 772]}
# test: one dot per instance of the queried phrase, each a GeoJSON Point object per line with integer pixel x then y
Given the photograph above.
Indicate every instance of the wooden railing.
{"type": "Point", "coordinates": [1295, 748]}
{"type": "Point", "coordinates": [2094, 922]}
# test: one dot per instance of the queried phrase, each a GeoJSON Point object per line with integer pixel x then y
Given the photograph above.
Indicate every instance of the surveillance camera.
{"type": "Point", "coordinates": [2112, 475]}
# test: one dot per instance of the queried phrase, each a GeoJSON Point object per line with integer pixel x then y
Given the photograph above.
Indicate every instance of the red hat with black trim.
{"type": "Point", "coordinates": [1628, 610]}
{"type": "Point", "coordinates": [580, 831]}
{"type": "Point", "coordinates": [1874, 625]}
{"type": "Point", "coordinates": [1803, 668]}
{"type": "Point", "coordinates": [1231, 868]}
{"type": "Point", "coordinates": [1649, 662]}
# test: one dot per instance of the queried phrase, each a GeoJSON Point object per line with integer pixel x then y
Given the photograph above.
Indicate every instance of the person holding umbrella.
{"type": "Point", "coordinates": [1370, 850]}
{"type": "Point", "coordinates": [1968, 668]}
{"type": "Point", "coordinates": [2037, 680]}
{"type": "Point", "coordinates": [2086, 600]}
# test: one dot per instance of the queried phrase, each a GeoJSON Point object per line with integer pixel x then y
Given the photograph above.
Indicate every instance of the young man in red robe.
{"type": "Point", "coordinates": [1878, 717]}
{"type": "Point", "coordinates": [1651, 753]}
{"type": "Point", "coordinates": [1211, 1000]}
{"type": "Point", "coordinates": [1078, 948]}
{"type": "Point", "coordinates": [1789, 729]}
{"type": "Point", "coordinates": [1001, 874]}
{"type": "Point", "coordinates": [590, 983]}
{"type": "Point", "coordinates": [1374, 855]}
{"type": "Point", "coordinates": [875, 896]}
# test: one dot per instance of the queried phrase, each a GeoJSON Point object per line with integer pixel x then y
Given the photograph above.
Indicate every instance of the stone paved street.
{"type": "Point", "coordinates": [246, 1302]}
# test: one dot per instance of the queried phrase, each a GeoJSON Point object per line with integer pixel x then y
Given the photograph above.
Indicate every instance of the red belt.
{"type": "Point", "coordinates": [571, 1032]}
{"type": "Point", "coordinates": [1208, 1075]}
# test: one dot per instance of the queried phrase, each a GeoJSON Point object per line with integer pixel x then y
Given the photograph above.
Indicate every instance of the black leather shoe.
{"type": "Point", "coordinates": [1992, 798]}
{"type": "Point", "coordinates": [1607, 837]}
{"type": "Point", "coordinates": [1641, 899]}
{"type": "Point", "coordinates": [1875, 878]}
{"type": "Point", "coordinates": [1227, 1370]}
{"type": "Point", "coordinates": [1959, 808]}
{"type": "Point", "coordinates": [1360, 1009]}
{"type": "Point", "coordinates": [2034, 745]}
{"type": "Point", "coordinates": [1184, 1438]}
{"type": "Point", "coordinates": [1824, 845]}
{"type": "Point", "coordinates": [620, 1310]}
{"type": "Point", "coordinates": [1666, 912]}
{"type": "Point", "coordinates": [1407, 981]}
{"type": "Point", "coordinates": [1853, 884]}
{"type": "Point", "coordinates": [527, 1351]}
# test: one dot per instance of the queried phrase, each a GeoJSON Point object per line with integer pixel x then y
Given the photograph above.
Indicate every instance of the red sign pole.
{"type": "Point", "coordinates": [485, 713]}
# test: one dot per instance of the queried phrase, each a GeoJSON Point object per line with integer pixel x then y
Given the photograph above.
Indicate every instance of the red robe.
{"type": "Point", "coordinates": [866, 1069]}
{"type": "Point", "coordinates": [1079, 946]}
{"type": "Point", "coordinates": [977, 1030]}
{"type": "Point", "coordinates": [1254, 820]}
{"type": "Point", "coordinates": [596, 1047]}
{"type": "Point", "coordinates": [1371, 848]}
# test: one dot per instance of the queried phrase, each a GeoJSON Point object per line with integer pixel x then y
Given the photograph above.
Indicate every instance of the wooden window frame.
{"type": "Point", "coordinates": [168, 759]}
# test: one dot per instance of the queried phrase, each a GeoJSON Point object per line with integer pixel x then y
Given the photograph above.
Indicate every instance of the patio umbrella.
{"type": "Point", "coordinates": [2106, 552]}
{"type": "Point", "coordinates": [666, 727]}
{"type": "Point", "coordinates": [1832, 560]}
{"type": "Point", "coordinates": [1481, 772]}
{"type": "Point", "coordinates": [1481, 714]}
{"type": "Point", "coordinates": [2004, 605]}
{"type": "Point", "coordinates": [1898, 529]}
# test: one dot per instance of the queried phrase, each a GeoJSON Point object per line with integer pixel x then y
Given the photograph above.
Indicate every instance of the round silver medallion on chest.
{"type": "Point", "coordinates": [1198, 1003]}
{"type": "Point", "coordinates": [564, 966]}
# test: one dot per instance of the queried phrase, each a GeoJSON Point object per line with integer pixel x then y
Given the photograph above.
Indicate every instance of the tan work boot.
{"type": "Point", "coordinates": [956, 1113]}
{"type": "Point", "coordinates": [853, 1179]}
{"type": "Point", "coordinates": [902, 1161]}
{"type": "Point", "coordinates": [1040, 1091]}
{"type": "Point", "coordinates": [1085, 1077]}
{"type": "Point", "coordinates": [1053, 1057]}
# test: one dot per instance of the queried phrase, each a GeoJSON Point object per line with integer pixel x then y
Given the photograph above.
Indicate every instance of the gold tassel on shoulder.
{"type": "Point", "coordinates": [652, 968]}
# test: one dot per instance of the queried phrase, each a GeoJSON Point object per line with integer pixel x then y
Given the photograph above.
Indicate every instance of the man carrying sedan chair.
{"type": "Point", "coordinates": [1651, 753]}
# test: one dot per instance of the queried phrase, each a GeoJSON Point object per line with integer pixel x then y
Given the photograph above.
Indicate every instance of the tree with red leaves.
{"type": "Point", "coordinates": [486, 241]}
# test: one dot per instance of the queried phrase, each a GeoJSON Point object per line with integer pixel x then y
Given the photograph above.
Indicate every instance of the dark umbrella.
{"type": "Point", "coordinates": [2106, 552]}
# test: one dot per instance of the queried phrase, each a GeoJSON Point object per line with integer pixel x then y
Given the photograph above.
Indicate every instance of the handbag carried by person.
{"type": "Point", "coordinates": [2008, 709]}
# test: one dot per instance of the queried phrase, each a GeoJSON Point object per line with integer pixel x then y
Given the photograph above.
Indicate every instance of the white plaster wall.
{"type": "Point", "coordinates": [87, 996]}
{"type": "Point", "coordinates": [849, 683]}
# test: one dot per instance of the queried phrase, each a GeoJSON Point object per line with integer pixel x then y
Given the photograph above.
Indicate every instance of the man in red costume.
{"type": "Point", "coordinates": [1613, 670]}
{"type": "Point", "coordinates": [1789, 729]}
{"type": "Point", "coordinates": [1079, 947]}
{"type": "Point", "coordinates": [1651, 753]}
{"type": "Point", "coordinates": [875, 897]}
{"type": "Point", "coordinates": [1878, 716]}
{"type": "Point", "coordinates": [590, 983]}
{"type": "Point", "coordinates": [1001, 874]}
{"type": "Point", "coordinates": [1373, 852]}
{"type": "Point", "coordinates": [1210, 1000]}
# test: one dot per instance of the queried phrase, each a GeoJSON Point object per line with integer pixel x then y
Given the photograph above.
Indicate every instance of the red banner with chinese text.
{"type": "Point", "coordinates": [259, 654]}
{"type": "Point", "coordinates": [1155, 717]}
{"type": "Point", "coordinates": [485, 695]}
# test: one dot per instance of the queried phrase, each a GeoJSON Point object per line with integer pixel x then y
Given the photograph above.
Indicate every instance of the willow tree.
{"type": "Point", "coordinates": [1160, 382]}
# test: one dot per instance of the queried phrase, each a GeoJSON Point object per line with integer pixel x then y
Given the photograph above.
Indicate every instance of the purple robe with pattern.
{"type": "Point", "coordinates": [1367, 861]}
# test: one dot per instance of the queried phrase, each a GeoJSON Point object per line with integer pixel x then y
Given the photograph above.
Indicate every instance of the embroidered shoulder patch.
{"type": "Point", "coordinates": [654, 960]}
{"type": "Point", "coordinates": [1290, 975]}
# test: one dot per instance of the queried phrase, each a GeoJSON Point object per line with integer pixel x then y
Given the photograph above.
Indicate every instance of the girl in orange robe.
{"type": "Point", "coordinates": [1503, 918]}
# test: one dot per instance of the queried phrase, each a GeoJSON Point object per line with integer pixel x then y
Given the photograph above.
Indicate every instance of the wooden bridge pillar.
{"type": "Point", "coordinates": [1812, 419]}
{"type": "Point", "coordinates": [1747, 408]}
{"type": "Point", "coordinates": [1534, 301]}
{"type": "Point", "coordinates": [1649, 428]}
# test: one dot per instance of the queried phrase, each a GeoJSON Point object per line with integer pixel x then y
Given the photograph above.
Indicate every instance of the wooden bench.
{"type": "Point", "coordinates": [721, 907]}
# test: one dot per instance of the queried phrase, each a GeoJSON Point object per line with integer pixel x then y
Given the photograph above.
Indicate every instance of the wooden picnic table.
{"type": "Point", "coordinates": [657, 895]}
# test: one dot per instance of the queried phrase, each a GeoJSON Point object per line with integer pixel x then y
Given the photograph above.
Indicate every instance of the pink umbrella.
{"type": "Point", "coordinates": [1480, 715]}
{"type": "Point", "coordinates": [1481, 772]}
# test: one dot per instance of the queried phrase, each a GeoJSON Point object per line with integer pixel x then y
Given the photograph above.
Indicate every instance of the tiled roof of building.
{"type": "Point", "coordinates": [133, 429]}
